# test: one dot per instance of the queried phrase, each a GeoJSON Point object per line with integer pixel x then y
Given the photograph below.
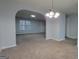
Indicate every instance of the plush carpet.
{"type": "Point", "coordinates": [36, 47]}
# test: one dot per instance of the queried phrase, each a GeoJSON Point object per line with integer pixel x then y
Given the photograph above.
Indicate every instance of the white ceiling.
{"type": "Point", "coordinates": [65, 6]}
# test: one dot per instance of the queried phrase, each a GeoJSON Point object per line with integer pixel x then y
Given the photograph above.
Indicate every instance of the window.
{"type": "Point", "coordinates": [28, 25]}
{"type": "Point", "coordinates": [22, 24]}
{"type": "Point", "coordinates": [25, 25]}
{"type": "Point", "coordinates": [28, 22]}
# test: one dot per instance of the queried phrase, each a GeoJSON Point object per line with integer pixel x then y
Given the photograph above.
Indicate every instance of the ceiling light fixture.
{"type": "Point", "coordinates": [51, 13]}
{"type": "Point", "coordinates": [33, 16]}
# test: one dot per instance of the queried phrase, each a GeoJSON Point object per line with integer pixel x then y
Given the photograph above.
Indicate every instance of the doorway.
{"type": "Point", "coordinates": [30, 25]}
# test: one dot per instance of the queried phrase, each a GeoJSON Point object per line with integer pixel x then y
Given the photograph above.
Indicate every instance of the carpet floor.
{"type": "Point", "coordinates": [36, 47]}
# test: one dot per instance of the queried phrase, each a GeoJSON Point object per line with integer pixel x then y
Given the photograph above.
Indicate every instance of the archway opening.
{"type": "Point", "coordinates": [30, 25]}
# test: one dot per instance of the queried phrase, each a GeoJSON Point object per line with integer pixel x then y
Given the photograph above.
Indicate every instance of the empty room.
{"type": "Point", "coordinates": [38, 29]}
{"type": "Point", "coordinates": [29, 25]}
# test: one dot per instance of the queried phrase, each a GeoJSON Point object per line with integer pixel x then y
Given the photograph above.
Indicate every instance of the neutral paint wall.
{"type": "Point", "coordinates": [72, 26]}
{"type": "Point", "coordinates": [36, 27]}
{"type": "Point", "coordinates": [55, 28]}
{"type": "Point", "coordinates": [7, 33]}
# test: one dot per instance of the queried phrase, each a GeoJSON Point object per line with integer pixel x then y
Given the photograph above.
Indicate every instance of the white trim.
{"type": "Point", "coordinates": [57, 39]}
{"type": "Point", "coordinates": [7, 47]}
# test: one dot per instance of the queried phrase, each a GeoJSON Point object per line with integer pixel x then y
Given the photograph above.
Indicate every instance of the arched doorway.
{"type": "Point", "coordinates": [29, 25]}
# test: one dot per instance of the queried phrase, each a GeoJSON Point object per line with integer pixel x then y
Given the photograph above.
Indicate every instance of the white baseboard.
{"type": "Point", "coordinates": [57, 39]}
{"type": "Point", "coordinates": [7, 47]}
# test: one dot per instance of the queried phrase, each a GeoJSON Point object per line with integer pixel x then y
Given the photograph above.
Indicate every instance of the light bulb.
{"type": "Point", "coordinates": [51, 13]}
{"type": "Point", "coordinates": [57, 14]}
{"type": "Point", "coordinates": [33, 16]}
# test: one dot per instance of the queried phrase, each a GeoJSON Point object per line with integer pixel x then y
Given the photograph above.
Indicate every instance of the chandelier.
{"type": "Point", "coordinates": [52, 13]}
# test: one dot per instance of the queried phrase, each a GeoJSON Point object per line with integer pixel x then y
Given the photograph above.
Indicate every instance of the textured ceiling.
{"type": "Point", "coordinates": [65, 6]}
